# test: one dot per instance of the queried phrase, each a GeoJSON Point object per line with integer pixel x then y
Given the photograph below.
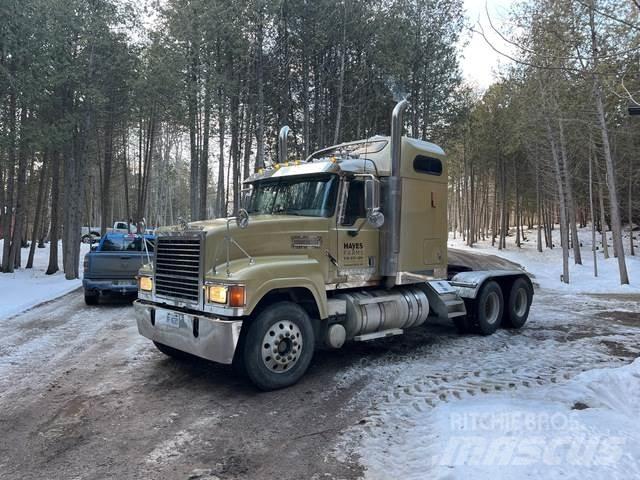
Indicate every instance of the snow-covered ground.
{"type": "Point", "coordinates": [556, 399]}
{"type": "Point", "coordinates": [26, 288]}
{"type": "Point", "coordinates": [547, 266]}
{"type": "Point", "coordinates": [588, 427]}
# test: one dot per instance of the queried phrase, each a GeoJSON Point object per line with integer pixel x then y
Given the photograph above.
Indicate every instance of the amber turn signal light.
{"type": "Point", "coordinates": [145, 283]}
{"type": "Point", "coordinates": [236, 296]}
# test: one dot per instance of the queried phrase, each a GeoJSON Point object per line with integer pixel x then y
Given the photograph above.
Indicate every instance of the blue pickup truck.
{"type": "Point", "coordinates": [111, 267]}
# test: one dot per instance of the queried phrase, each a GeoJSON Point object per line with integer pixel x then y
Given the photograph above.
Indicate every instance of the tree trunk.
{"type": "Point", "coordinates": [564, 236]}
{"type": "Point", "coordinates": [340, 95]}
{"type": "Point", "coordinates": [193, 132]}
{"type": "Point", "coordinates": [39, 211]}
{"type": "Point", "coordinates": [106, 200]}
{"type": "Point", "coordinates": [593, 220]}
{"type": "Point", "coordinates": [7, 227]}
{"type": "Point", "coordinates": [21, 207]}
{"type": "Point", "coordinates": [260, 91]}
{"type": "Point", "coordinates": [221, 209]}
{"type": "Point", "coordinates": [630, 202]}
{"type": "Point", "coordinates": [204, 158]}
{"type": "Point", "coordinates": [569, 194]}
{"type": "Point", "coordinates": [54, 236]}
{"type": "Point", "coordinates": [614, 205]}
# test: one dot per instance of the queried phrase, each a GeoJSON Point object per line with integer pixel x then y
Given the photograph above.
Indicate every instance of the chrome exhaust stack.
{"type": "Point", "coordinates": [282, 144]}
{"type": "Point", "coordinates": [393, 200]}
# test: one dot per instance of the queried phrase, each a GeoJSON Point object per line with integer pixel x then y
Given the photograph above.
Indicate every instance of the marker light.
{"type": "Point", "coordinates": [236, 296]}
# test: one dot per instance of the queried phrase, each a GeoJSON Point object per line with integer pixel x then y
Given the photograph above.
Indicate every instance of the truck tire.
{"type": "Point", "coordinates": [171, 352]}
{"type": "Point", "coordinates": [279, 346]}
{"type": "Point", "coordinates": [486, 314]}
{"type": "Point", "coordinates": [518, 304]}
{"type": "Point", "coordinates": [91, 298]}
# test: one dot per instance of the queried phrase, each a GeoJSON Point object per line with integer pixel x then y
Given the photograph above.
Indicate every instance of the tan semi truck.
{"type": "Point", "coordinates": [348, 245]}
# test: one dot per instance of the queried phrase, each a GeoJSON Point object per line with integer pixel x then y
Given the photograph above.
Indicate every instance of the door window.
{"type": "Point", "coordinates": [355, 207]}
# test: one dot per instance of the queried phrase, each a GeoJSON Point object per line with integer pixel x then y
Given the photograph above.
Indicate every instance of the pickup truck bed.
{"type": "Point", "coordinates": [112, 267]}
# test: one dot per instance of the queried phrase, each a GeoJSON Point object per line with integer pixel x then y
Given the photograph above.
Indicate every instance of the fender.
{"type": "Point", "coordinates": [276, 272]}
{"type": "Point", "coordinates": [468, 284]}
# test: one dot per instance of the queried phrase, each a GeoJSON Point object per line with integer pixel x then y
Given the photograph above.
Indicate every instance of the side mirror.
{"type": "Point", "coordinates": [375, 217]}
{"type": "Point", "coordinates": [242, 219]}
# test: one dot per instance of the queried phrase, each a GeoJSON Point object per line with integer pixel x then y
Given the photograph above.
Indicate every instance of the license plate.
{"type": "Point", "coordinates": [125, 282]}
{"type": "Point", "coordinates": [173, 319]}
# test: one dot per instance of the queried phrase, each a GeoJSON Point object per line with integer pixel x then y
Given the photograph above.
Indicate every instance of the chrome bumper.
{"type": "Point", "coordinates": [205, 337]}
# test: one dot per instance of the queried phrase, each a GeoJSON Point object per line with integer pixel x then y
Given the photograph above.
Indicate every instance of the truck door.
{"type": "Point", "coordinates": [358, 242]}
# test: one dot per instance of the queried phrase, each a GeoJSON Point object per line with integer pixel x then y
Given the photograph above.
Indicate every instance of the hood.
{"type": "Point", "coordinates": [266, 235]}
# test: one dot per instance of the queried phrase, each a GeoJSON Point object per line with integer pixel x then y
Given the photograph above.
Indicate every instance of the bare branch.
{"type": "Point", "coordinates": [627, 91]}
{"type": "Point", "coordinates": [609, 16]}
{"type": "Point", "coordinates": [579, 57]}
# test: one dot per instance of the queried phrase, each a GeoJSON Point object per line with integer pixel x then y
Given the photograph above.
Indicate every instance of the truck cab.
{"type": "Point", "coordinates": [346, 245]}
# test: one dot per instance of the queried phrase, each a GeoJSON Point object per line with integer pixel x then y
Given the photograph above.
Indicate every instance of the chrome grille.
{"type": "Point", "coordinates": [178, 268]}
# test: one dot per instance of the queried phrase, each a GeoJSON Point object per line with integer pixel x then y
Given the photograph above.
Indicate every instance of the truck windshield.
{"type": "Point", "coordinates": [304, 196]}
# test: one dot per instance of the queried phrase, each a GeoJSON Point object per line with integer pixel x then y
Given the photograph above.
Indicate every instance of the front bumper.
{"type": "Point", "coordinates": [211, 338]}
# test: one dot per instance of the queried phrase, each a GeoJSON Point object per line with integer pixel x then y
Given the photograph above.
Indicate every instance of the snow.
{"type": "Point", "coordinates": [546, 267]}
{"type": "Point", "coordinates": [551, 400]}
{"type": "Point", "coordinates": [26, 288]}
{"type": "Point", "coordinates": [588, 427]}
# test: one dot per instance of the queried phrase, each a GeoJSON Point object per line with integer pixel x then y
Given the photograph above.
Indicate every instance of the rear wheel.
{"type": "Point", "coordinates": [278, 346]}
{"type": "Point", "coordinates": [90, 298]}
{"type": "Point", "coordinates": [486, 312]}
{"type": "Point", "coordinates": [518, 305]}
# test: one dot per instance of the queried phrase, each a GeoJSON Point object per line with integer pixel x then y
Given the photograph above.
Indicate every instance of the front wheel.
{"type": "Point", "coordinates": [278, 346]}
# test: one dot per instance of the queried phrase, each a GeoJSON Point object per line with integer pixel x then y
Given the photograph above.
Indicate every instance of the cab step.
{"type": "Point", "coordinates": [381, 334]}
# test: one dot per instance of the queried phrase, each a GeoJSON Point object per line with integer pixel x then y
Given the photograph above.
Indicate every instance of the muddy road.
{"type": "Point", "coordinates": [82, 395]}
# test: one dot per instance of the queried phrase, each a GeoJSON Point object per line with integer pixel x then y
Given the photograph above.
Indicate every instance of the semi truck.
{"type": "Point", "coordinates": [349, 245]}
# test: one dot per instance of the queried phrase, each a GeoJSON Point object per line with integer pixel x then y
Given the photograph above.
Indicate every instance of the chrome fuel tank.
{"type": "Point", "coordinates": [378, 310]}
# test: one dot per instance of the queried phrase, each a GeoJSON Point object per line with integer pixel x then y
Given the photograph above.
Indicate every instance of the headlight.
{"type": "Point", "coordinates": [234, 295]}
{"type": "Point", "coordinates": [217, 293]}
{"type": "Point", "coordinates": [145, 283]}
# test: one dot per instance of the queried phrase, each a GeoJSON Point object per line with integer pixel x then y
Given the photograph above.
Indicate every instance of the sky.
{"type": "Point", "coordinates": [480, 61]}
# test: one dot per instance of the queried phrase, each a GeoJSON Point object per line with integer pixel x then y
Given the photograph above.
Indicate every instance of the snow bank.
{"type": "Point", "coordinates": [587, 428]}
{"type": "Point", "coordinates": [26, 288]}
{"type": "Point", "coordinates": [547, 266]}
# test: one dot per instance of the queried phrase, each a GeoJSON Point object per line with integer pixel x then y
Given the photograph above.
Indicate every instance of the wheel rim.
{"type": "Point", "coordinates": [492, 308]}
{"type": "Point", "coordinates": [282, 346]}
{"type": "Point", "coordinates": [521, 302]}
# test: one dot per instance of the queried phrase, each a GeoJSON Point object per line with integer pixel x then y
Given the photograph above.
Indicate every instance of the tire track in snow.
{"type": "Point", "coordinates": [564, 337]}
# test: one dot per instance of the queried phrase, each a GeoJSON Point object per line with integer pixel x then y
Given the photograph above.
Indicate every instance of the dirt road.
{"type": "Point", "coordinates": [82, 395]}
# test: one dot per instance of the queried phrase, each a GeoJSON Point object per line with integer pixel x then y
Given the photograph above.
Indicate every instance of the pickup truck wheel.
{"type": "Point", "coordinates": [279, 346]}
{"type": "Point", "coordinates": [91, 298]}
{"type": "Point", "coordinates": [517, 308]}
{"type": "Point", "coordinates": [171, 352]}
{"type": "Point", "coordinates": [488, 309]}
